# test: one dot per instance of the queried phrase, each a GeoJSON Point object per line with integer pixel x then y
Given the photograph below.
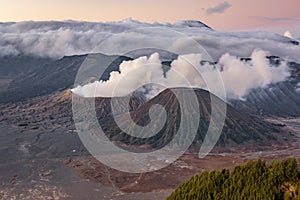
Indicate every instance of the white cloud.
{"type": "Point", "coordinates": [58, 39]}
{"type": "Point", "coordinates": [239, 76]}
{"type": "Point", "coordinates": [132, 75]}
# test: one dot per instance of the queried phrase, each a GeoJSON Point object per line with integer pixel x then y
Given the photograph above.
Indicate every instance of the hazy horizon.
{"type": "Point", "coordinates": [230, 15]}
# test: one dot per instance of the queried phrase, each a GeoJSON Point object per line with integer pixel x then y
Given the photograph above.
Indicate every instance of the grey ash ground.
{"type": "Point", "coordinates": [42, 157]}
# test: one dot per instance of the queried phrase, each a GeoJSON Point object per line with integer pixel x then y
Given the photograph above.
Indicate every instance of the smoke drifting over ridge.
{"type": "Point", "coordinates": [58, 39]}
{"type": "Point", "coordinates": [239, 76]}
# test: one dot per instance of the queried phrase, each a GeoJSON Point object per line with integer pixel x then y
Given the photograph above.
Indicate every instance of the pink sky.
{"type": "Point", "coordinates": [273, 15]}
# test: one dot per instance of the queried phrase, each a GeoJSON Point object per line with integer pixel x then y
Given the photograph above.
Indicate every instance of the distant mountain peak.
{"type": "Point", "coordinates": [191, 23]}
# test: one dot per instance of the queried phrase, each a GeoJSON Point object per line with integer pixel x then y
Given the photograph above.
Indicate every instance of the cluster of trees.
{"type": "Point", "coordinates": [255, 180]}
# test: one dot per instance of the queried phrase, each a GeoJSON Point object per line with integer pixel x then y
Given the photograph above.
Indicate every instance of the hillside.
{"type": "Point", "coordinates": [255, 180]}
{"type": "Point", "coordinates": [238, 128]}
{"type": "Point", "coordinates": [48, 77]}
{"type": "Point", "coordinates": [280, 99]}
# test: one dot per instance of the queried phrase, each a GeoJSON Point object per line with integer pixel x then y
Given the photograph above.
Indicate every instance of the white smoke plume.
{"type": "Point", "coordinates": [239, 76]}
{"type": "Point", "coordinates": [132, 75]}
{"type": "Point", "coordinates": [58, 39]}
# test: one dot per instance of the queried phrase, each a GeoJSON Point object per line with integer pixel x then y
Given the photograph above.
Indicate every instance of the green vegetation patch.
{"type": "Point", "coordinates": [255, 180]}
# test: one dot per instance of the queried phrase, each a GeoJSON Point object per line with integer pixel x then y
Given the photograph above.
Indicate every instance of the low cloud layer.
{"type": "Point", "coordinates": [239, 76]}
{"type": "Point", "coordinates": [58, 39]}
{"type": "Point", "coordinates": [220, 8]}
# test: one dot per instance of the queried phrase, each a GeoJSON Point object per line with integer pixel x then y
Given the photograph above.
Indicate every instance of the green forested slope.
{"type": "Point", "coordinates": [255, 180]}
